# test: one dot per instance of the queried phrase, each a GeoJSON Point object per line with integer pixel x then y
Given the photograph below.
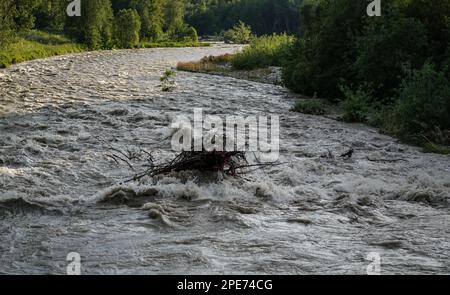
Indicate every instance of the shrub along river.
{"type": "Point", "coordinates": [315, 214]}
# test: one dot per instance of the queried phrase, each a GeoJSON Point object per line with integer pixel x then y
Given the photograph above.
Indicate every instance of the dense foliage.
{"type": "Point", "coordinates": [423, 104]}
{"type": "Point", "coordinates": [263, 51]}
{"type": "Point", "coordinates": [159, 20]}
{"type": "Point", "coordinates": [7, 24]}
{"type": "Point", "coordinates": [395, 65]}
{"type": "Point", "coordinates": [240, 34]}
{"type": "Point", "coordinates": [127, 27]}
{"type": "Point", "coordinates": [95, 25]}
{"type": "Point", "coordinates": [212, 17]}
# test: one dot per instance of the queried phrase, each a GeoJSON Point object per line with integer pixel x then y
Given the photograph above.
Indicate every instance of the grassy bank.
{"type": "Point", "coordinates": [263, 52]}
{"type": "Point", "coordinates": [38, 44]}
{"type": "Point", "coordinates": [207, 64]}
{"type": "Point", "coordinates": [221, 65]}
{"type": "Point", "coordinates": [34, 45]}
{"type": "Point", "coordinates": [255, 62]}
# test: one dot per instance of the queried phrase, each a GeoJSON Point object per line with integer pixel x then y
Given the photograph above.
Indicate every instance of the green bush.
{"type": "Point", "coordinates": [240, 34]}
{"type": "Point", "coordinates": [356, 105]}
{"type": "Point", "coordinates": [423, 103]}
{"type": "Point", "coordinates": [384, 46]}
{"type": "Point", "coordinates": [324, 53]}
{"type": "Point", "coordinates": [263, 52]}
{"type": "Point", "coordinates": [311, 107]}
{"type": "Point", "coordinates": [190, 35]}
{"type": "Point", "coordinates": [300, 74]}
{"type": "Point", "coordinates": [127, 28]}
{"type": "Point", "coordinates": [168, 81]}
{"type": "Point", "coordinates": [185, 33]}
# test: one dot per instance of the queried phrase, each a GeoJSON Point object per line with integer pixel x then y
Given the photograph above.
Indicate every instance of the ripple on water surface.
{"type": "Point", "coordinates": [316, 214]}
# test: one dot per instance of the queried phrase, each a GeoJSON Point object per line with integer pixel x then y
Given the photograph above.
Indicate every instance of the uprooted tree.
{"type": "Point", "coordinates": [232, 163]}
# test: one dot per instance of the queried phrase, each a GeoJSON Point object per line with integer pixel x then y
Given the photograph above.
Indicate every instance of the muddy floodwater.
{"type": "Point", "coordinates": [60, 193]}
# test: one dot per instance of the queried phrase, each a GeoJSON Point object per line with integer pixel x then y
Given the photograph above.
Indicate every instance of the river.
{"type": "Point", "coordinates": [60, 116]}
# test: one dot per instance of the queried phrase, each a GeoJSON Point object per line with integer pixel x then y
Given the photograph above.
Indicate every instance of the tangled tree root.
{"type": "Point", "coordinates": [230, 163]}
{"type": "Point", "coordinates": [226, 162]}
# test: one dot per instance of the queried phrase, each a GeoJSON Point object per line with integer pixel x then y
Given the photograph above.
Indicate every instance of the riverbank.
{"type": "Point", "coordinates": [223, 66]}
{"type": "Point", "coordinates": [38, 44]}
{"type": "Point", "coordinates": [260, 61]}
{"type": "Point", "coordinates": [35, 45]}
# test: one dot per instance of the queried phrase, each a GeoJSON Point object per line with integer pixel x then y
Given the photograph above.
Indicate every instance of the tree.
{"type": "Point", "coordinates": [403, 42]}
{"type": "Point", "coordinates": [51, 14]}
{"type": "Point", "coordinates": [7, 13]}
{"type": "Point", "coordinates": [323, 56]}
{"type": "Point", "coordinates": [190, 34]}
{"type": "Point", "coordinates": [435, 15]}
{"type": "Point", "coordinates": [423, 102]}
{"type": "Point", "coordinates": [151, 16]}
{"type": "Point", "coordinates": [240, 33]}
{"type": "Point", "coordinates": [174, 17]}
{"type": "Point", "coordinates": [94, 26]}
{"type": "Point", "coordinates": [185, 33]}
{"type": "Point", "coordinates": [154, 29]}
{"type": "Point", "coordinates": [24, 13]}
{"type": "Point", "coordinates": [264, 16]}
{"type": "Point", "coordinates": [127, 26]}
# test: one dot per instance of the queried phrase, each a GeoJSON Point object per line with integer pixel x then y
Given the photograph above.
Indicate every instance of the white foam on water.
{"type": "Point", "coordinates": [310, 215]}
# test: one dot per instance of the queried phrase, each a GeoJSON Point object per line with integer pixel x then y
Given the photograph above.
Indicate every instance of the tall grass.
{"type": "Point", "coordinates": [310, 106]}
{"type": "Point", "coordinates": [34, 45]}
{"type": "Point", "coordinates": [263, 52]}
{"type": "Point", "coordinates": [206, 64]}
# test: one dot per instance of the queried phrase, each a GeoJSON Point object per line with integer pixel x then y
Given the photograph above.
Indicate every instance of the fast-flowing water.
{"type": "Point", "coordinates": [59, 193]}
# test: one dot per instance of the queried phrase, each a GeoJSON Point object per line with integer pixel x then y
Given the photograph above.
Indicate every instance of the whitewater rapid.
{"type": "Point", "coordinates": [59, 193]}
